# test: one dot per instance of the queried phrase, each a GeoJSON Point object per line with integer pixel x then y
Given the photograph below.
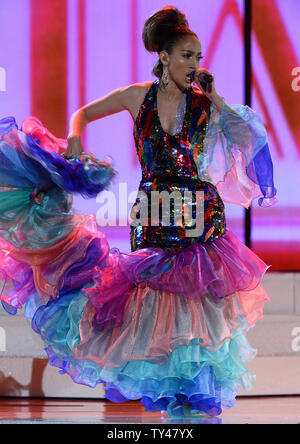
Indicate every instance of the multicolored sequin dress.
{"type": "Point", "coordinates": [164, 324]}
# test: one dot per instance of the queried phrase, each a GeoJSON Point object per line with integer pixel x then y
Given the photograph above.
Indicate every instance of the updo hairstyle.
{"type": "Point", "coordinates": [162, 30]}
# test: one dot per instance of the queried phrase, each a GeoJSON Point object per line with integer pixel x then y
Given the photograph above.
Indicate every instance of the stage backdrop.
{"type": "Point", "coordinates": [57, 55]}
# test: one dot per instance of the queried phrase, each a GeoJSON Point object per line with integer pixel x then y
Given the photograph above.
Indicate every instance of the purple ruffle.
{"type": "Point", "coordinates": [220, 268]}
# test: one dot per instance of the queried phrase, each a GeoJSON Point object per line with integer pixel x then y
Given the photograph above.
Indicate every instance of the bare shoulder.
{"type": "Point", "coordinates": [133, 96]}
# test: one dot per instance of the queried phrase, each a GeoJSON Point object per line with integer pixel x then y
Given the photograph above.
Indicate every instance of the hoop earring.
{"type": "Point", "coordinates": [165, 77]}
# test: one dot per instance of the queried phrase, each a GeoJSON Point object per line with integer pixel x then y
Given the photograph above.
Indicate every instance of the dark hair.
{"type": "Point", "coordinates": [162, 30]}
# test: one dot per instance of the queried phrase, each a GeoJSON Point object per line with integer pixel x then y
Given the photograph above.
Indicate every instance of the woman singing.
{"type": "Point", "coordinates": [165, 323]}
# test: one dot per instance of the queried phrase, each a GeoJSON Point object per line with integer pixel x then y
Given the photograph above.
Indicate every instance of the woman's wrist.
{"type": "Point", "coordinates": [73, 137]}
{"type": "Point", "coordinates": [77, 124]}
{"type": "Point", "coordinates": [218, 101]}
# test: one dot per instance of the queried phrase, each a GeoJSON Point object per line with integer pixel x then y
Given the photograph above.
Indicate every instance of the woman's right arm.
{"type": "Point", "coordinates": [124, 98]}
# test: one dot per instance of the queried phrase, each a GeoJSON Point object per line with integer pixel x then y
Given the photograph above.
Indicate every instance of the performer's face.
{"type": "Point", "coordinates": [184, 58]}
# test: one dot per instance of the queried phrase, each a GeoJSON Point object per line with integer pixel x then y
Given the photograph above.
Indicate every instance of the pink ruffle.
{"type": "Point", "coordinates": [17, 283]}
{"type": "Point", "coordinates": [219, 268]}
{"type": "Point", "coordinates": [34, 127]}
{"type": "Point", "coordinates": [156, 322]}
{"type": "Point", "coordinates": [26, 271]}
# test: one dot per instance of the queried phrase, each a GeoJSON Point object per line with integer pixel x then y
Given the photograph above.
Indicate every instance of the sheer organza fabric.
{"type": "Point", "coordinates": [236, 156]}
{"type": "Point", "coordinates": [163, 327]}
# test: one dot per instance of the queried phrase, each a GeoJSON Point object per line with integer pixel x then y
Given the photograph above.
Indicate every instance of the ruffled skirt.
{"type": "Point", "coordinates": [167, 328]}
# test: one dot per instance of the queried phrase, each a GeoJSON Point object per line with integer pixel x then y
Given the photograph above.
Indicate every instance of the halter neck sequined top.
{"type": "Point", "coordinates": [168, 163]}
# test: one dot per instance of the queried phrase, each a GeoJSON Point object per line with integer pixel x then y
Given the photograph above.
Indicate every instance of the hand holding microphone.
{"type": "Point", "coordinates": [204, 80]}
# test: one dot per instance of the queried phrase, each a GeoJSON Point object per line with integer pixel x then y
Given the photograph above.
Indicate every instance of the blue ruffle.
{"type": "Point", "coordinates": [30, 165]}
{"type": "Point", "coordinates": [205, 380]}
{"type": "Point", "coordinates": [236, 156]}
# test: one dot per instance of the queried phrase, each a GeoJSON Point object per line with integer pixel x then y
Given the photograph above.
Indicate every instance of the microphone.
{"type": "Point", "coordinates": [206, 78]}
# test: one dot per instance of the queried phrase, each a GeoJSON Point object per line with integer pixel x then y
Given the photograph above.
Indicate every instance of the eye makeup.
{"type": "Point", "coordinates": [190, 53]}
